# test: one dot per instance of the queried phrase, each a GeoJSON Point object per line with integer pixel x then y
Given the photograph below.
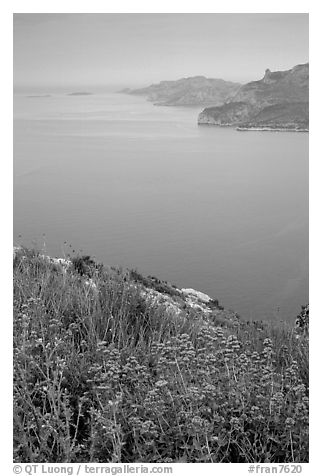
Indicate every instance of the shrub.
{"type": "Point", "coordinates": [102, 375]}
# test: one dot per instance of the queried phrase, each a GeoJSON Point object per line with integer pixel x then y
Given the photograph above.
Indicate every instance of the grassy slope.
{"type": "Point", "coordinates": [105, 373]}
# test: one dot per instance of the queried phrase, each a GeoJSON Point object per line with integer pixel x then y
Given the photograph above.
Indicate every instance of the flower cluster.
{"type": "Point", "coordinates": [103, 377]}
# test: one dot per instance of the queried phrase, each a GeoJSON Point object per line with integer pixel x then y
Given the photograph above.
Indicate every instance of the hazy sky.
{"type": "Point", "coordinates": [92, 50]}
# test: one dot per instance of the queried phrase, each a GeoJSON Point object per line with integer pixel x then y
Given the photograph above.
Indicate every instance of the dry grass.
{"type": "Point", "coordinates": [101, 375]}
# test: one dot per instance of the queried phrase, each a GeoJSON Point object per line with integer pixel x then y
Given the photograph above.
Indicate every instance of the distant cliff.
{"type": "Point", "coordinates": [280, 100]}
{"type": "Point", "coordinates": [195, 91]}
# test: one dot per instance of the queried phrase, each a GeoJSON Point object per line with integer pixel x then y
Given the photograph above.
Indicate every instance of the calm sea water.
{"type": "Point", "coordinates": [140, 186]}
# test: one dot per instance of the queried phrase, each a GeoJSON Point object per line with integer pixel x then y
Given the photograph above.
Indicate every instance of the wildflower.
{"type": "Point", "coordinates": [161, 383]}
{"type": "Point", "coordinates": [289, 423]}
{"type": "Point", "coordinates": [235, 423]}
{"type": "Point", "coordinates": [268, 343]}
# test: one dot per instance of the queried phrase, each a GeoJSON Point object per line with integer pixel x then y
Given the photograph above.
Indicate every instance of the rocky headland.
{"type": "Point", "coordinates": [194, 91]}
{"type": "Point", "coordinates": [279, 101]}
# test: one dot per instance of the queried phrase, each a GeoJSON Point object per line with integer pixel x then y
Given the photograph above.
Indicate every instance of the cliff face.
{"type": "Point", "coordinates": [279, 100]}
{"type": "Point", "coordinates": [195, 91]}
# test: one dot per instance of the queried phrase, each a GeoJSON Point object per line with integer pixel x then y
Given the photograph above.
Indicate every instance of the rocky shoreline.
{"type": "Point", "coordinates": [270, 129]}
{"type": "Point", "coordinates": [254, 128]}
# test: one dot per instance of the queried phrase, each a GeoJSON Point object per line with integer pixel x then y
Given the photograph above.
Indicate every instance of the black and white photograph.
{"type": "Point", "coordinates": [160, 239]}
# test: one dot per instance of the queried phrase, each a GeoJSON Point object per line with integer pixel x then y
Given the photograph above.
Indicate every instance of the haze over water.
{"type": "Point", "coordinates": [140, 186]}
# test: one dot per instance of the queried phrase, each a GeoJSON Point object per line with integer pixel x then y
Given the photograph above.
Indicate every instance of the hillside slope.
{"type": "Point", "coordinates": [279, 100]}
{"type": "Point", "coordinates": [195, 91]}
{"type": "Point", "coordinates": [110, 366]}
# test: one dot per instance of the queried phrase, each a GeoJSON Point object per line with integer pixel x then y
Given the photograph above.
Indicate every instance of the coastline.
{"type": "Point", "coordinates": [270, 129]}
{"type": "Point", "coordinates": [254, 128]}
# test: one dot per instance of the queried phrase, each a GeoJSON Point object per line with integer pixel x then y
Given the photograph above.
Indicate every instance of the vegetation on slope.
{"type": "Point", "coordinates": [104, 374]}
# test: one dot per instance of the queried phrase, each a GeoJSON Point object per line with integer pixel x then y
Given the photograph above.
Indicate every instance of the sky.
{"type": "Point", "coordinates": [108, 50]}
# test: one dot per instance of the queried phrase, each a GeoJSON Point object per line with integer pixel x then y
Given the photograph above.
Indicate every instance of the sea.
{"type": "Point", "coordinates": [144, 187]}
